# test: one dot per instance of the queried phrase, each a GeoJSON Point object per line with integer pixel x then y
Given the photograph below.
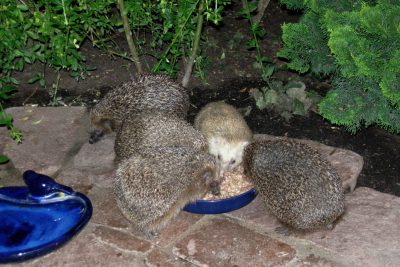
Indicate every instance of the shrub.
{"type": "Point", "coordinates": [357, 43]}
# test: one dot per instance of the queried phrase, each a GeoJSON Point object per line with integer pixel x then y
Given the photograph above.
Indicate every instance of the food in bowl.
{"type": "Point", "coordinates": [232, 184]}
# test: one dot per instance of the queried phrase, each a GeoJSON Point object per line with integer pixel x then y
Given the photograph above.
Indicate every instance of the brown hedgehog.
{"type": "Point", "coordinates": [142, 130]}
{"type": "Point", "coordinates": [148, 93]}
{"type": "Point", "coordinates": [296, 183]}
{"type": "Point", "coordinates": [226, 132]}
{"type": "Point", "coordinates": [153, 186]}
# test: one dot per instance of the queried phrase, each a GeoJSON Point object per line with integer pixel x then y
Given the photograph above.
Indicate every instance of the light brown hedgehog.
{"type": "Point", "coordinates": [153, 186]}
{"type": "Point", "coordinates": [149, 93]}
{"type": "Point", "coordinates": [141, 130]}
{"type": "Point", "coordinates": [296, 183]}
{"type": "Point", "coordinates": [226, 132]}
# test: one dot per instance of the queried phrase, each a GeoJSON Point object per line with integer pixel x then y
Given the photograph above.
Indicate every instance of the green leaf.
{"type": "Point", "coordinates": [13, 80]}
{"type": "Point", "coordinates": [19, 65]}
{"type": "Point", "coordinates": [4, 159]}
{"type": "Point", "coordinates": [33, 35]}
{"type": "Point", "coordinates": [42, 82]}
{"type": "Point", "coordinates": [23, 7]}
{"type": "Point", "coordinates": [268, 71]}
{"type": "Point", "coordinates": [5, 119]}
{"type": "Point", "coordinates": [6, 91]}
{"type": "Point", "coordinates": [251, 44]}
{"type": "Point", "coordinates": [35, 78]}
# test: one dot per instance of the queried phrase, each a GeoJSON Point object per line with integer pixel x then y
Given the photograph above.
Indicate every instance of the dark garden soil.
{"type": "Point", "coordinates": [230, 74]}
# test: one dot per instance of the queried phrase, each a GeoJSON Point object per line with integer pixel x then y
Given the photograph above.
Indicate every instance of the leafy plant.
{"type": "Point", "coordinates": [6, 120]}
{"type": "Point", "coordinates": [257, 32]}
{"type": "Point", "coordinates": [51, 32]}
{"type": "Point", "coordinates": [286, 99]}
{"type": "Point", "coordinates": [181, 29]}
{"type": "Point", "coordinates": [357, 43]}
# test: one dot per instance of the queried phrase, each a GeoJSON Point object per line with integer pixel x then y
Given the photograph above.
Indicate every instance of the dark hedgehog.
{"type": "Point", "coordinates": [149, 93]}
{"type": "Point", "coordinates": [153, 186]}
{"type": "Point", "coordinates": [296, 183]}
{"type": "Point", "coordinates": [141, 130]}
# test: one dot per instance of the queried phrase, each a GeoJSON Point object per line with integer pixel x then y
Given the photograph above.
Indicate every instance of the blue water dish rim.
{"type": "Point", "coordinates": [57, 242]}
{"type": "Point", "coordinates": [218, 206]}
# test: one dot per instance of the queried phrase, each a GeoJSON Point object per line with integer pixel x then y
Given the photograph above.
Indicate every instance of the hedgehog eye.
{"type": "Point", "coordinates": [219, 157]}
{"type": "Point", "coordinates": [233, 161]}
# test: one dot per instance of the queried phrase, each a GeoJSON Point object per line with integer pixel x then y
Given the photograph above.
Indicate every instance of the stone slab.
{"type": "Point", "coordinates": [75, 177]}
{"type": "Point", "coordinates": [176, 228]}
{"type": "Point", "coordinates": [256, 213]}
{"type": "Point", "coordinates": [315, 261]}
{"type": "Point", "coordinates": [87, 250]}
{"type": "Point", "coordinates": [50, 135]}
{"type": "Point", "coordinates": [120, 239]}
{"type": "Point", "coordinates": [105, 208]}
{"type": "Point", "coordinates": [97, 157]}
{"type": "Point", "coordinates": [369, 232]}
{"type": "Point", "coordinates": [222, 242]}
{"type": "Point", "coordinates": [159, 258]}
{"type": "Point", "coordinates": [93, 165]}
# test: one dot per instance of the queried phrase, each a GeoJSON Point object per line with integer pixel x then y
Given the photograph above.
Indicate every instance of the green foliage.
{"type": "Point", "coordinates": [178, 20]}
{"type": "Point", "coordinates": [52, 32]}
{"type": "Point", "coordinates": [305, 46]}
{"type": "Point", "coordinates": [263, 63]}
{"type": "Point", "coordinates": [6, 119]}
{"type": "Point", "coordinates": [286, 99]}
{"type": "Point", "coordinates": [357, 43]}
{"type": "Point", "coordinates": [49, 31]}
{"type": "Point", "coordinates": [46, 31]}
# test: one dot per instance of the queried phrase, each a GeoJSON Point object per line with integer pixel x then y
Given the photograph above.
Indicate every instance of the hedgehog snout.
{"type": "Point", "coordinates": [212, 182]}
{"type": "Point", "coordinates": [95, 136]}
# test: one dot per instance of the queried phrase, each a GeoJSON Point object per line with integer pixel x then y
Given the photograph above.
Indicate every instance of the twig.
{"type": "Point", "coordinates": [195, 48]}
{"type": "Point", "coordinates": [262, 5]}
{"type": "Point", "coordinates": [129, 38]}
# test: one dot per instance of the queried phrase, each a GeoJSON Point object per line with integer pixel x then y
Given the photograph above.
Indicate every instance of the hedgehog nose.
{"type": "Point", "coordinates": [215, 188]}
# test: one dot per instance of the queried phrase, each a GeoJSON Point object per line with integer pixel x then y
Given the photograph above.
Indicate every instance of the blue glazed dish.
{"type": "Point", "coordinates": [201, 206]}
{"type": "Point", "coordinates": [39, 218]}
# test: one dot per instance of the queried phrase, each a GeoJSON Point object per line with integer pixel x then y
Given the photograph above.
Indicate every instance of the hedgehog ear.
{"type": "Point", "coordinates": [244, 144]}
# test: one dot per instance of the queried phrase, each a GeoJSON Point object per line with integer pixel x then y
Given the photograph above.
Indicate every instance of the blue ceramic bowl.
{"type": "Point", "coordinates": [39, 218]}
{"type": "Point", "coordinates": [221, 205]}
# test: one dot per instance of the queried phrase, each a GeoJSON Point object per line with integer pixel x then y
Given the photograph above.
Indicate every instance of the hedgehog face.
{"type": "Point", "coordinates": [228, 155]}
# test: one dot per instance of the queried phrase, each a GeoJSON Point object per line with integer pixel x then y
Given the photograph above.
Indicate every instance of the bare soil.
{"type": "Point", "coordinates": [230, 74]}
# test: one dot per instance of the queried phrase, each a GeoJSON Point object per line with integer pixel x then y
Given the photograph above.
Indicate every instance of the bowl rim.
{"type": "Point", "coordinates": [231, 198]}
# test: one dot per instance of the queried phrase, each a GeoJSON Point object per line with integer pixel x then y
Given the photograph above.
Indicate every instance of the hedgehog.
{"type": "Point", "coordinates": [148, 93]}
{"type": "Point", "coordinates": [227, 134]}
{"type": "Point", "coordinates": [296, 183]}
{"type": "Point", "coordinates": [145, 129]}
{"type": "Point", "coordinates": [151, 187]}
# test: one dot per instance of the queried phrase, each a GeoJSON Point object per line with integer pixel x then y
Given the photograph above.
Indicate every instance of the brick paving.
{"type": "Point", "coordinates": [55, 143]}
